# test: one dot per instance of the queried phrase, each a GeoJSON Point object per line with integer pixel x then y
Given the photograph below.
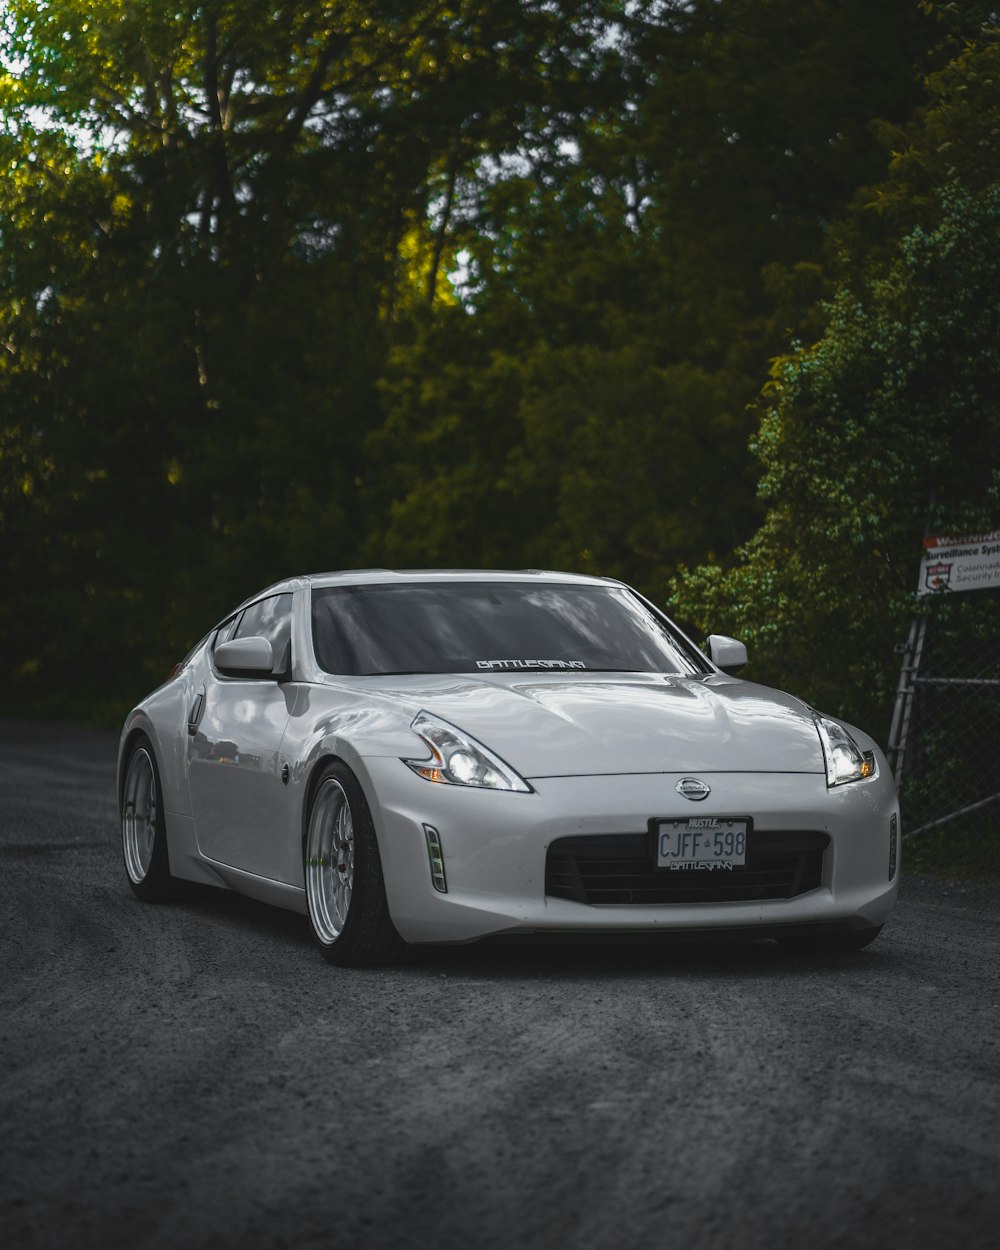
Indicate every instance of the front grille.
{"type": "Point", "coordinates": [618, 868]}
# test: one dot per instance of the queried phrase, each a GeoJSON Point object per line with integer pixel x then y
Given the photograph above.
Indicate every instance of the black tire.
{"type": "Point", "coordinates": [144, 829]}
{"type": "Point", "coordinates": [345, 890]}
{"type": "Point", "coordinates": [836, 942]}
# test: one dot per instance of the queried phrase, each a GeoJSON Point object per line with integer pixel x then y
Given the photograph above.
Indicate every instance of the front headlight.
{"type": "Point", "coordinates": [458, 760]}
{"type": "Point", "coordinates": [845, 761]}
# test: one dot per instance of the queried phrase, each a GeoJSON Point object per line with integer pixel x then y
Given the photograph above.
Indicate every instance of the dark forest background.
{"type": "Point", "coordinates": [701, 294]}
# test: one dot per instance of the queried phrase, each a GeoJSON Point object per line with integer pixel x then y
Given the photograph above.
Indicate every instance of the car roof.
{"type": "Point", "coordinates": [370, 577]}
{"type": "Point", "coordinates": [362, 577]}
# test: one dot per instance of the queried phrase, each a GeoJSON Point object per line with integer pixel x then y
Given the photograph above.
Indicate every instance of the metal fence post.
{"type": "Point", "coordinates": [901, 712]}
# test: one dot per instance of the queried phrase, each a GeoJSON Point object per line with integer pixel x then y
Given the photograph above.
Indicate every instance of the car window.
{"type": "Point", "coordinates": [269, 618]}
{"type": "Point", "coordinates": [226, 630]}
{"type": "Point", "coordinates": [469, 627]}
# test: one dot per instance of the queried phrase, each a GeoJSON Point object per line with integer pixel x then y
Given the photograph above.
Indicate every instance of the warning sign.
{"type": "Point", "coordinates": [969, 563]}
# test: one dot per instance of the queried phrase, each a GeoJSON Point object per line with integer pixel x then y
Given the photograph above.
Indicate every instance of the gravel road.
{"type": "Point", "coordinates": [195, 1075]}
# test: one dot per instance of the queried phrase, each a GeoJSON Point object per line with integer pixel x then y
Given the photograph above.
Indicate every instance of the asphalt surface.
{"type": "Point", "coordinates": [194, 1075]}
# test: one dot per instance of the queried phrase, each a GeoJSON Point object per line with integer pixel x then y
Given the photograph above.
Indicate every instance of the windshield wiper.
{"type": "Point", "coordinates": [476, 672]}
{"type": "Point", "coordinates": [613, 670]}
{"type": "Point", "coordinates": [399, 672]}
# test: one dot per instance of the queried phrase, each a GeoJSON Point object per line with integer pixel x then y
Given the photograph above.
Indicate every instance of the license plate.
{"type": "Point", "coordinates": [705, 842]}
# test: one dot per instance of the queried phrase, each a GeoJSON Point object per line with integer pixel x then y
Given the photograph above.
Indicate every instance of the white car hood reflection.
{"type": "Point", "coordinates": [584, 724]}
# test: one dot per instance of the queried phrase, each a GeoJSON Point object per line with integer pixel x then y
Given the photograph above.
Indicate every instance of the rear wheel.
{"type": "Point", "coordinates": [144, 832]}
{"type": "Point", "coordinates": [345, 890]}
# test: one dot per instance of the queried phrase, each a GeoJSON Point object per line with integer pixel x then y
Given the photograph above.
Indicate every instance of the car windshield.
{"type": "Point", "coordinates": [482, 627]}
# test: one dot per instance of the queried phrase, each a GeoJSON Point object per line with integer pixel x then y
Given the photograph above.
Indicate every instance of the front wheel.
{"type": "Point", "coordinates": [144, 832]}
{"type": "Point", "coordinates": [345, 890]}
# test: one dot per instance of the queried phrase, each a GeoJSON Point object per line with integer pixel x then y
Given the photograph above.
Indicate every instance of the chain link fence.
{"type": "Point", "coordinates": [944, 745]}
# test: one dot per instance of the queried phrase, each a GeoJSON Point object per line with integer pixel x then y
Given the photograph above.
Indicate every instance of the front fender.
{"type": "Point", "coordinates": [163, 719]}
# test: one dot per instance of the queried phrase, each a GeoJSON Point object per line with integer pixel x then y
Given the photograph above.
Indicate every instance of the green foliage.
{"type": "Point", "coordinates": [966, 849]}
{"type": "Point", "coordinates": [291, 285]}
{"type": "Point", "coordinates": [896, 404]}
{"type": "Point", "coordinates": [211, 217]}
{"type": "Point", "coordinates": [569, 457]}
{"type": "Point", "coordinates": [592, 408]}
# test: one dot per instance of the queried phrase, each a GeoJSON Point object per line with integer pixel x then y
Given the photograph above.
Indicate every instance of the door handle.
{"type": "Point", "coordinates": [194, 716]}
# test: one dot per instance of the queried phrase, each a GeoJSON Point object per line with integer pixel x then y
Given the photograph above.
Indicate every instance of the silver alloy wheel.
{"type": "Point", "coordinates": [330, 861]}
{"type": "Point", "coordinates": [139, 815]}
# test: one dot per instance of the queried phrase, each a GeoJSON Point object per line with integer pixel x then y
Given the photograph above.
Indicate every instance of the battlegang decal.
{"type": "Point", "coordinates": [518, 664]}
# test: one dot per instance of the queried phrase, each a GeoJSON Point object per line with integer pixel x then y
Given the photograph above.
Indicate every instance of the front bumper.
{"type": "Point", "coordinates": [494, 847]}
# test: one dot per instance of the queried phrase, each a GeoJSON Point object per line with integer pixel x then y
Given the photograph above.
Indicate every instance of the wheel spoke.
{"type": "Point", "coordinates": [139, 815]}
{"type": "Point", "coordinates": [330, 861]}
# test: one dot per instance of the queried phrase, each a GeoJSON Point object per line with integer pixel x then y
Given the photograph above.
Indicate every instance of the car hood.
{"type": "Point", "coordinates": [575, 724]}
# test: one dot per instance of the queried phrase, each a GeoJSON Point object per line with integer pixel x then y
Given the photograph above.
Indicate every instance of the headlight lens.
{"type": "Point", "coordinates": [845, 761]}
{"type": "Point", "coordinates": [459, 760]}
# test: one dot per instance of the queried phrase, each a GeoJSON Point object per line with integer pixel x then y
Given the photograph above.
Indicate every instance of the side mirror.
{"type": "Point", "coordinates": [244, 657]}
{"type": "Point", "coordinates": [726, 653]}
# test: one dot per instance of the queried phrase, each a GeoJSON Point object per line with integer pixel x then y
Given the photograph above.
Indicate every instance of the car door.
{"type": "Point", "coordinates": [238, 798]}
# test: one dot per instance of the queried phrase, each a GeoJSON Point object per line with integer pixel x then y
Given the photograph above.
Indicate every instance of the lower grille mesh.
{"type": "Point", "coordinates": [618, 868]}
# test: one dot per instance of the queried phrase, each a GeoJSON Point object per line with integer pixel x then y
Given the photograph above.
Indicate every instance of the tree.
{"type": "Point", "coordinates": [206, 229]}
{"type": "Point", "coordinates": [624, 281]}
{"type": "Point", "coordinates": [894, 407]}
{"type": "Point", "coordinates": [429, 281]}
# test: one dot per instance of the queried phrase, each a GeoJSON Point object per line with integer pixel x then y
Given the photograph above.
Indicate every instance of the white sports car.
{"type": "Point", "coordinates": [412, 757]}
